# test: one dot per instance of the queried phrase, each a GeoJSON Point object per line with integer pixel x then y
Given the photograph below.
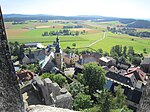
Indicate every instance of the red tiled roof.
{"type": "Point", "coordinates": [141, 74]}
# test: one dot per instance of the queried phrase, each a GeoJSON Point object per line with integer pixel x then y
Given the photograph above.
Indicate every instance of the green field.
{"type": "Point", "coordinates": [32, 32]}
{"type": "Point", "coordinates": [124, 40]}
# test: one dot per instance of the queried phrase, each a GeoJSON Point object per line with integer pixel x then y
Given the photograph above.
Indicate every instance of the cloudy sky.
{"type": "Point", "coordinates": [113, 8]}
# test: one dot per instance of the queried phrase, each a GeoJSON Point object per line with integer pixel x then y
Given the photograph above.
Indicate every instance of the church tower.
{"type": "Point", "coordinates": [58, 54]}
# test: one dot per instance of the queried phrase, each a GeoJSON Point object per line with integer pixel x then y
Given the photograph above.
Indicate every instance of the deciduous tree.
{"type": "Point", "coordinates": [82, 101]}
{"type": "Point", "coordinates": [94, 77]}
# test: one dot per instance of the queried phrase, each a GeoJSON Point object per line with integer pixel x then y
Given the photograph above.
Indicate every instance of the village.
{"type": "Point", "coordinates": [53, 60]}
{"type": "Point", "coordinates": [74, 56]}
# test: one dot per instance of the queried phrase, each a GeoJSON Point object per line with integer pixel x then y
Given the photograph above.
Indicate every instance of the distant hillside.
{"type": "Point", "coordinates": [130, 22]}
{"type": "Point", "coordinates": [140, 24]}
{"type": "Point", "coordinates": [127, 21]}
{"type": "Point", "coordinates": [133, 23]}
{"type": "Point", "coordinates": [20, 17]}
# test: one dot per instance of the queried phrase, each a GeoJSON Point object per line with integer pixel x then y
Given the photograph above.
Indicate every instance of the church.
{"type": "Point", "coordinates": [53, 58]}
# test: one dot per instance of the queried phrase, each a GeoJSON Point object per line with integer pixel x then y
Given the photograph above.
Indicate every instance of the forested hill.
{"type": "Point", "coordinates": [134, 23]}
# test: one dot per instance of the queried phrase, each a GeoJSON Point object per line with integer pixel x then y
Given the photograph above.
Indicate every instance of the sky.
{"type": "Point", "coordinates": [112, 8]}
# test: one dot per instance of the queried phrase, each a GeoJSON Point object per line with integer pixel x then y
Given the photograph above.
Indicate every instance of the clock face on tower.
{"type": "Point", "coordinates": [57, 55]}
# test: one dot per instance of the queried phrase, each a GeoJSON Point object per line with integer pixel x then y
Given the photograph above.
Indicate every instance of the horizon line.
{"type": "Point", "coordinates": [76, 15]}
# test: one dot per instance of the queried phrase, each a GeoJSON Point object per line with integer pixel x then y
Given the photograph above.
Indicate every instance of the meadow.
{"type": "Point", "coordinates": [32, 32]}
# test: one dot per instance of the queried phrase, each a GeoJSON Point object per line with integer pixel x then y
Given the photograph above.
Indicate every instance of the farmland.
{"type": "Point", "coordinates": [32, 31]}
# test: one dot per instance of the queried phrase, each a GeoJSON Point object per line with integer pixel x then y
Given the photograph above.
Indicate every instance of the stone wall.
{"type": "Point", "coordinates": [43, 108]}
{"type": "Point", "coordinates": [10, 97]}
{"type": "Point", "coordinates": [53, 94]}
{"type": "Point", "coordinates": [145, 99]}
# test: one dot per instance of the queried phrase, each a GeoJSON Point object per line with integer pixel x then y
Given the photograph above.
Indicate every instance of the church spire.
{"type": "Point", "coordinates": [57, 48]}
{"type": "Point", "coordinates": [58, 54]}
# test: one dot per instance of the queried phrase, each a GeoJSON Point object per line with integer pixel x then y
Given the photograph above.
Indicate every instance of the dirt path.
{"type": "Point", "coordinates": [97, 40]}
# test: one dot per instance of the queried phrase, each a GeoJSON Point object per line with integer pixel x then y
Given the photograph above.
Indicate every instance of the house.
{"type": "Point", "coordinates": [27, 59]}
{"type": "Point", "coordinates": [96, 55]}
{"type": "Point", "coordinates": [145, 65]}
{"type": "Point", "coordinates": [123, 66]}
{"type": "Point", "coordinates": [107, 61]}
{"type": "Point", "coordinates": [39, 54]}
{"type": "Point", "coordinates": [117, 76]}
{"type": "Point", "coordinates": [132, 82]}
{"type": "Point", "coordinates": [70, 59]}
{"type": "Point", "coordinates": [138, 73]}
{"type": "Point", "coordinates": [87, 58]}
{"type": "Point", "coordinates": [78, 69]}
{"type": "Point", "coordinates": [16, 65]}
{"type": "Point", "coordinates": [133, 78]}
{"type": "Point", "coordinates": [34, 56]}
{"type": "Point", "coordinates": [34, 45]}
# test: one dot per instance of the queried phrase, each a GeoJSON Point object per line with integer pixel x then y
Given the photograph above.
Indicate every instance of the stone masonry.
{"type": "Point", "coordinates": [10, 97]}
{"type": "Point", "coordinates": [53, 95]}
{"type": "Point", "coordinates": [145, 99]}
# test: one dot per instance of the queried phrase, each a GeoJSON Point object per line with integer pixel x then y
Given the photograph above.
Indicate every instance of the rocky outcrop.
{"type": "Point", "coordinates": [10, 97]}
{"type": "Point", "coordinates": [43, 108]}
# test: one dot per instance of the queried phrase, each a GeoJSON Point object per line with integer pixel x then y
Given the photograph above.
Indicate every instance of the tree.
{"type": "Point", "coordinates": [116, 51]}
{"type": "Point", "coordinates": [136, 60]}
{"type": "Point", "coordinates": [58, 78]}
{"type": "Point", "coordinates": [61, 80]}
{"type": "Point", "coordinates": [21, 53]}
{"type": "Point", "coordinates": [94, 77]}
{"type": "Point", "coordinates": [17, 50]}
{"type": "Point", "coordinates": [80, 78]}
{"type": "Point", "coordinates": [76, 33]}
{"type": "Point", "coordinates": [105, 103]}
{"type": "Point", "coordinates": [82, 101]}
{"type": "Point", "coordinates": [124, 51]}
{"type": "Point", "coordinates": [130, 51]}
{"type": "Point", "coordinates": [106, 53]}
{"type": "Point", "coordinates": [108, 28]}
{"type": "Point", "coordinates": [76, 51]}
{"type": "Point", "coordinates": [108, 103]}
{"type": "Point", "coordinates": [100, 51]}
{"type": "Point", "coordinates": [119, 100]}
{"type": "Point", "coordinates": [122, 59]}
{"type": "Point", "coordinates": [45, 75]}
{"type": "Point", "coordinates": [144, 50]}
{"type": "Point", "coordinates": [68, 50]}
{"type": "Point", "coordinates": [75, 88]}
{"type": "Point", "coordinates": [74, 44]}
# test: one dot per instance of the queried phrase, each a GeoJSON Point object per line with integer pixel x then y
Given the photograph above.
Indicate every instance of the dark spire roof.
{"type": "Point", "coordinates": [57, 48]}
{"type": "Point", "coordinates": [57, 40]}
